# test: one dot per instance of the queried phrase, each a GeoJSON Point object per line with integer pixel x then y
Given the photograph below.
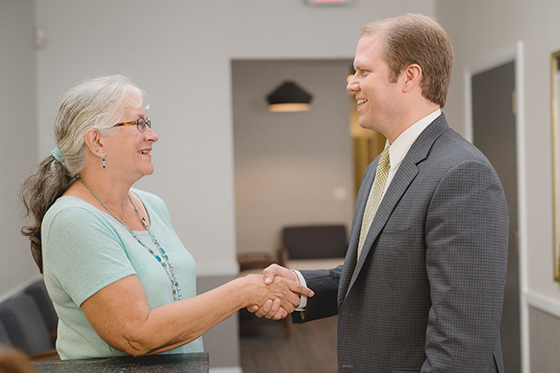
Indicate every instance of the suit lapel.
{"type": "Point", "coordinates": [352, 252]}
{"type": "Point", "coordinates": [401, 181]}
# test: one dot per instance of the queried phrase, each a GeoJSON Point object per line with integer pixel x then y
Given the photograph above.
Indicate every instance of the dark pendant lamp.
{"type": "Point", "coordinates": [288, 97]}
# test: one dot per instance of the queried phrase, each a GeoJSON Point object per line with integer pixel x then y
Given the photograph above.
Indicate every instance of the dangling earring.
{"type": "Point", "coordinates": [103, 160]}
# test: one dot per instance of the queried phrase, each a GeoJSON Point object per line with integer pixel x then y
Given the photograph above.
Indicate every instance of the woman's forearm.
{"type": "Point", "coordinates": [120, 313]}
{"type": "Point", "coordinates": [178, 323]}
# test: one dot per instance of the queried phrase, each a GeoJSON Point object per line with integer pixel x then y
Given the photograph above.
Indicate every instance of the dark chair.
{"type": "Point", "coordinates": [256, 261]}
{"type": "Point", "coordinates": [38, 291]}
{"type": "Point", "coordinates": [314, 242]}
{"type": "Point", "coordinates": [27, 328]}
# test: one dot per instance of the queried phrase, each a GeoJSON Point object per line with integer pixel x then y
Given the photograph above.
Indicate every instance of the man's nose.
{"type": "Point", "coordinates": [352, 85]}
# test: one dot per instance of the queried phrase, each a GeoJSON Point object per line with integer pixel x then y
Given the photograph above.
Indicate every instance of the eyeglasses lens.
{"type": "Point", "coordinates": [141, 124]}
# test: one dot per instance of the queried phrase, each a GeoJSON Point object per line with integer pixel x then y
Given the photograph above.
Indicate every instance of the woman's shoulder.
{"type": "Point", "coordinates": [69, 207]}
{"type": "Point", "coordinates": [71, 213]}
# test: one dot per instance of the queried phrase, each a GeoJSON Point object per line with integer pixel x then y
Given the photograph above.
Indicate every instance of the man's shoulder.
{"type": "Point", "coordinates": [457, 147]}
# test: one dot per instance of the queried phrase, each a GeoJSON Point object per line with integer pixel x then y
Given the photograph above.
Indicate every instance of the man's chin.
{"type": "Point", "coordinates": [365, 124]}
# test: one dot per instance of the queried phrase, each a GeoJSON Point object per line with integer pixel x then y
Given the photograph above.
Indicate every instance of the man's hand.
{"type": "Point", "coordinates": [272, 309]}
{"type": "Point", "coordinates": [274, 270]}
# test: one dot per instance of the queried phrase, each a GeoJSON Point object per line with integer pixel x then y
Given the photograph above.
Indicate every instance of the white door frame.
{"type": "Point", "coordinates": [512, 53]}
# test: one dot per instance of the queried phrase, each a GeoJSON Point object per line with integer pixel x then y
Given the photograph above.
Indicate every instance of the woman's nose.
{"type": "Point", "coordinates": [150, 134]}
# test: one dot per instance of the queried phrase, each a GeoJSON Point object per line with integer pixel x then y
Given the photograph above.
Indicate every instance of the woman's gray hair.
{"type": "Point", "coordinates": [93, 104]}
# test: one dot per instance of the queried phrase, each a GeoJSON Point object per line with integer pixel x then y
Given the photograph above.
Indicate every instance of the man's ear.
{"type": "Point", "coordinates": [412, 77]}
{"type": "Point", "coordinates": [94, 141]}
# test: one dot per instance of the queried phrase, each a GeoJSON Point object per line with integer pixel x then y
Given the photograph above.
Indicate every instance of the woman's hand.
{"type": "Point", "coordinates": [281, 292]}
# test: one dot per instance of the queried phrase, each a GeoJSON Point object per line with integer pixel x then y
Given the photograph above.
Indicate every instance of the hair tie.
{"type": "Point", "coordinates": [57, 154]}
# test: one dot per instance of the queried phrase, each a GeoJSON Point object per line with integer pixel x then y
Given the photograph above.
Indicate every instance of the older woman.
{"type": "Point", "coordinates": [120, 278]}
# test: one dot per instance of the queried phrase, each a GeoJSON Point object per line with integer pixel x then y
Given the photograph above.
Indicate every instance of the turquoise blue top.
{"type": "Point", "coordinates": [85, 249]}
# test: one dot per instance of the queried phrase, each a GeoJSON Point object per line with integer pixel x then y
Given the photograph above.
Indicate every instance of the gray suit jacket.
{"type": "Point", "coordinates": [426, 293]}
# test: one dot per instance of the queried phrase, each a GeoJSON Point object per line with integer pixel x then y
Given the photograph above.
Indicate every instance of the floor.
{"type": "Point", "coordinates": [309, 348]}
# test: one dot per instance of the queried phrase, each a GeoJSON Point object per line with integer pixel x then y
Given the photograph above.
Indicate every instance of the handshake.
{"type": "Point", "coordinates": [276, 293]}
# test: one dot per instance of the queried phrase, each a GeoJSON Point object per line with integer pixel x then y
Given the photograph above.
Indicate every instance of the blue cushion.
{"type": "Point", "coordinates": [38, 291]}
{"type": "Point", "coordinates": [4, 339]}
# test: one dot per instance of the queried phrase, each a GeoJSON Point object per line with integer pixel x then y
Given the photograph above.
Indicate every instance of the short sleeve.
{"type": "Point", "coordinates": [83, 253]}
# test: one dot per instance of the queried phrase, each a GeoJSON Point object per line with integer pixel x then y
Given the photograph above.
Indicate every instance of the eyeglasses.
{"type": "Point", "coordinates": [141, 124]}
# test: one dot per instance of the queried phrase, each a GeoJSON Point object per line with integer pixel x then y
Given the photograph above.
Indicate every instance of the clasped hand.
{"type": "Point", "coordinates": [276, 308]}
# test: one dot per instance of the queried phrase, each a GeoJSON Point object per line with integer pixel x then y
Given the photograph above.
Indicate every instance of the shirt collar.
{"type": "Point", "coordinates": [399, 148]}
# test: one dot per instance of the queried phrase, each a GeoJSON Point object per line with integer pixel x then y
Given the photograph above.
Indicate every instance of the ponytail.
{"type": "Point", "coordinates": [38, 193]}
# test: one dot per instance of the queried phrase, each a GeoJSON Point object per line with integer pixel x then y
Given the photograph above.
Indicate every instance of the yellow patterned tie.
{"type": "Point", "coordinates": [375, 195]}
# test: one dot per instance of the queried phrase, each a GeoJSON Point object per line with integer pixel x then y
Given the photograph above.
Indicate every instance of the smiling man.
{"type": "Point", "coordinates": [421, 288]}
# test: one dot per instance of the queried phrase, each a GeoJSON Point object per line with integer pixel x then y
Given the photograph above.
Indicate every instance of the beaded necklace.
{"type": "Point", "coordinates": [165, 262]}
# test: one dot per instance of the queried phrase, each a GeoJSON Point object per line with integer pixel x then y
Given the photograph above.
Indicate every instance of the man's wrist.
{"type": "Point", "coordinates": [302, 298]}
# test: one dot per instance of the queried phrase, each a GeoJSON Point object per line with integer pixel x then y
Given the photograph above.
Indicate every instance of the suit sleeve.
{"type": "Point", "coordinates": [466, 257]}
{"type": "Point", "coordinates": [324, 284]}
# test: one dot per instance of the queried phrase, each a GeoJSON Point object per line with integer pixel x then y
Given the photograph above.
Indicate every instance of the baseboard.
{"type": "Point", "coordinates": [226, 370]}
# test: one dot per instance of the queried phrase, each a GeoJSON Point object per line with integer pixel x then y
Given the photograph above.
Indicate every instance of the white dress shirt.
{"type": "Point", "coordinates": [400, 147]}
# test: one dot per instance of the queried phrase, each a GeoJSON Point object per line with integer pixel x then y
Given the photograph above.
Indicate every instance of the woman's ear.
{"type": "Point", "coordinates": [94, 141]}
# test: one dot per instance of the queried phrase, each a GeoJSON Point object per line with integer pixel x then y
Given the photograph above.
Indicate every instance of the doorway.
{"type": "Point", "coordinates": [494, 133]}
